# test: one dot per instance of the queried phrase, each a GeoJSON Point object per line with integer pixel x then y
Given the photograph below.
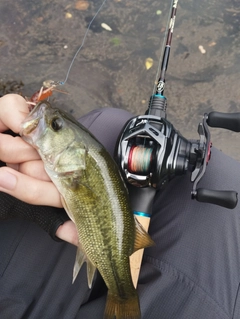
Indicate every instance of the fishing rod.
{"type": "Point", "coordinates": [150, 152]}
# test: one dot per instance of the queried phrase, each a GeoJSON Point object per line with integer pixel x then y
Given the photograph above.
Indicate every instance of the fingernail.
{"type": "Point", "coordinates": [7, 180]}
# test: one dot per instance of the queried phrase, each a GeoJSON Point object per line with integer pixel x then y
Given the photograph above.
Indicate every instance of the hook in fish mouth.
{"type": "Point", "coordinates": [33, 124]}
{"type": "Point", "coordinates": [32, 120]}
{"type": "Point", "coordinates": [29, 126]}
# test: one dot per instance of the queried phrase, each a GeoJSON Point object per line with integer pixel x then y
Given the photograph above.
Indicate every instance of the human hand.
{"type": "Point", "coordinates": [24, 176]}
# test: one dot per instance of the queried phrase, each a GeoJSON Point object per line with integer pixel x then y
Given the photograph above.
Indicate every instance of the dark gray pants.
{"type": "Point", "coordinates": [192, 272]}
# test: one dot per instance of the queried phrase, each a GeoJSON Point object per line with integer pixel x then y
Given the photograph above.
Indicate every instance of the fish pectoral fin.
{"type": "Point", "coordinates": [91, 269]}
{"type": "Point", "coordinates": [70, 215]}
{"type": "Point", "coordinates": [79, 261]}
{"type": "Point", "coordinates": [77, 153]}
{"type": "Point", "coordinates": [142, 238]}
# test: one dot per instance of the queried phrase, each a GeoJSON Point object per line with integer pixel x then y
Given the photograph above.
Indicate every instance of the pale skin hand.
{"type": "Point", "coordinates": [25, 177]}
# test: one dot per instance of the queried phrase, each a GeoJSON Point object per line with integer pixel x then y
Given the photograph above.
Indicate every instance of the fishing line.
{"type": "Point", "coordinates": [140, 159]}
{"type": "Point", "coordinates": [80, 47]}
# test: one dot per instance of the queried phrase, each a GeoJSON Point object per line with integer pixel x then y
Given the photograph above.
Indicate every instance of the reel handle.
{"type": "Point", "coordinates": [229, 121]}
{"type": "Point", "coordinates": [226, 199]}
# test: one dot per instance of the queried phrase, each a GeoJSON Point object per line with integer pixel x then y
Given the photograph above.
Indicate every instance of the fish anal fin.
{"type": "Point", "coordinates": [90, 272]}
{"type": "Point", "coordinates": [80, 259]}
{"type": "Point", "coordinates": [142, 238]}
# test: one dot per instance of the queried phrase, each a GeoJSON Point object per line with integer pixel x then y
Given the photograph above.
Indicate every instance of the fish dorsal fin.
{"type": "Point", "coordinates": [79, 261]}
{"type": "Point", "coordinates": [142, 238]}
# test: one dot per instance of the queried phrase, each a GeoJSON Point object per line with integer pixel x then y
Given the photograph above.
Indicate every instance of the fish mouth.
{"type": "Point", "coordinates": [32, 126]}
{"type": "Point", "coordinates": [29, 126]}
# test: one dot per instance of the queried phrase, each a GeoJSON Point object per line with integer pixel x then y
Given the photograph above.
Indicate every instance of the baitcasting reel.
{"type": "Point", "coordinates": [151, 151]}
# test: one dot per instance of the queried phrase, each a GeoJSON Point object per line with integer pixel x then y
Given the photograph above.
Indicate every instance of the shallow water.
{"type": "Point", "coordinates": [38, 41]}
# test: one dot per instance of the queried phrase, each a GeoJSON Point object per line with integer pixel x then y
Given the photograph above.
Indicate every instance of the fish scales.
{"type": "Point", "coordinates": [95, 198]}
{"type": "Point", "coordinates": [100, 230]}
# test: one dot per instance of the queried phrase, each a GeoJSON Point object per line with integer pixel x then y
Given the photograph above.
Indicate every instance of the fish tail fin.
{"type": "Point", "coordinates": [122, 308]}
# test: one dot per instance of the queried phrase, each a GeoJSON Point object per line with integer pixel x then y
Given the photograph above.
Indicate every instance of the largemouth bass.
{"type": "Point", "coordinates": [95, 198]}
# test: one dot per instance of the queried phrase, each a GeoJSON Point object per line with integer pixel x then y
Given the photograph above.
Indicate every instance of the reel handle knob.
{"type": "Point", "coordinates": [226, 199]}
{"type": "Point", "coordinates": [229, 121]}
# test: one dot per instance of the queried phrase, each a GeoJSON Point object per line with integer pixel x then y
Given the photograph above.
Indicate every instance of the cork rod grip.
{"type": "Point", "coordinates": [136, 258]}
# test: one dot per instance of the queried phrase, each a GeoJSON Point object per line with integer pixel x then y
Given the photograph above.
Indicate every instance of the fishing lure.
{"type": "Point", "coordinates": [45, 92]}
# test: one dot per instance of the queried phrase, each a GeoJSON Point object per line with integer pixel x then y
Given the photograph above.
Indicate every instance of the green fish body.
{"type": "Point", "coordinates": [95, 198]}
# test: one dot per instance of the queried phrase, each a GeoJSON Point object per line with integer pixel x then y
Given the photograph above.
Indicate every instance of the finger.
{"type": "Point", "coordinates": [16, 150]}
{"type": "Point", "coordinates": [68, 232]}
{"type": "Point", "coordinates": [28, 189]}
{"type": "Point", "coordinates": [34, 169]}
{"type": "Point", "coordinates": [13, 110]}
{"type": "Point", "coordinates": [13, 166]}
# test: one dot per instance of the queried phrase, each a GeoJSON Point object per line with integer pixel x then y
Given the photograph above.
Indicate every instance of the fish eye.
{"type": "Point", "coordinates": [56, 124]}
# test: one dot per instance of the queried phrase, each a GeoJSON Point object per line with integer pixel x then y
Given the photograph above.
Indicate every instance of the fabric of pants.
{"type": "Point", "coordinates": [193, 271]}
